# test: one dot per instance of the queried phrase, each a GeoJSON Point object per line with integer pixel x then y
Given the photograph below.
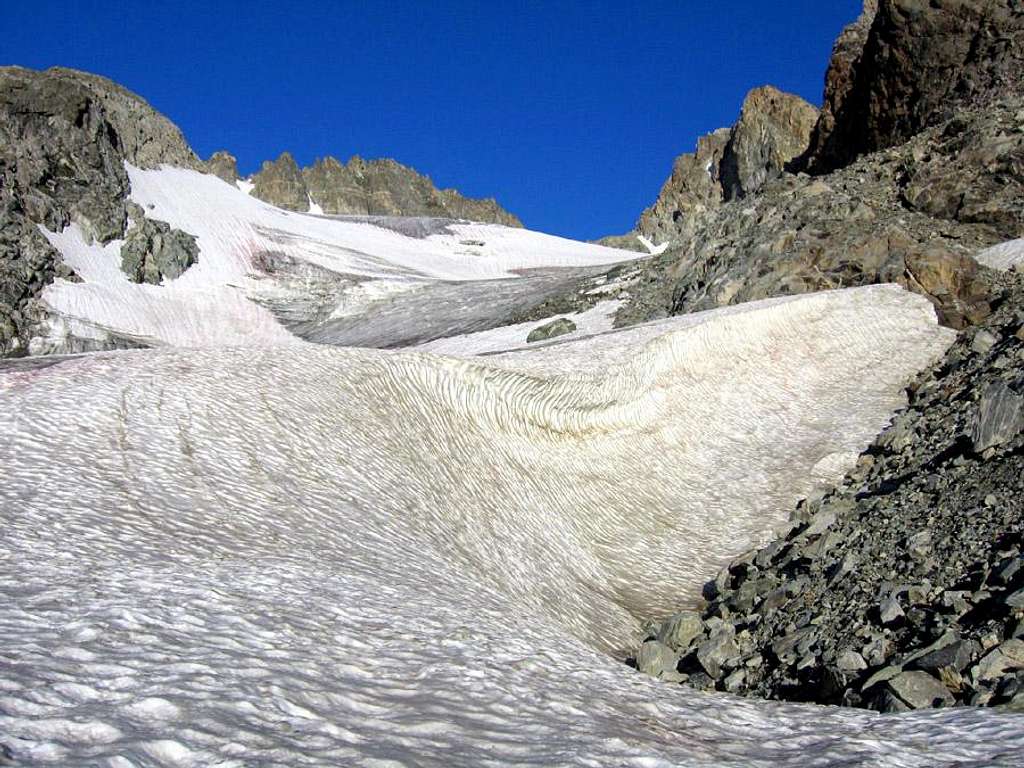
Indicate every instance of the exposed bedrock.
{"type": "Point", "coordinates": [64, 138]}
{"type": "Point", "coordinates": [914, 214]}
{"type": "Point", "coordinates": [731, 163]}
{"type": "Point", "coordinates": [368, 187]}
{"type": "Point", "coordinates": [907, 65]}
{"type": "Point", "coordinates": [223, 165]}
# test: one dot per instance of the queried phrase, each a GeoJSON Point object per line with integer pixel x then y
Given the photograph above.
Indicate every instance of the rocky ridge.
{"type": "Point", "coordinates": [904, 587]}
{"type": "Point", "coordinates": [913, 214]}
{"type": "Point", "coordinates": [731, 163]}
{"type": "Point", "coordinates": [363, 187]}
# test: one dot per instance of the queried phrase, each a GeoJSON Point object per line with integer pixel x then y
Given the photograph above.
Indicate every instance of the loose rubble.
{"type": "Point", "coordinates": [904, 587]}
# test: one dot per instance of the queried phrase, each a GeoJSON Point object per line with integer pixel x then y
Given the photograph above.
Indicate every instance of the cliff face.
{"type": "Point", "coordinates": [906, 65]}
{"type": "Point", "coordinates": [731, 163]}
{"type": "Point", "coordinates": [64, 139]}
{"type": "Point", "coordinates": [368, 187]}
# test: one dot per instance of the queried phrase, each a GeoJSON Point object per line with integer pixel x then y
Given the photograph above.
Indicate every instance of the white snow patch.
{"type": "Point", "coordinates": [597, 319]}
{"type": "Point", "coordinates": [1004, 256]}
{"type": "Point", "coordinates": [245, 185]}
{"type": "Point", "coordinates": [314, 209]}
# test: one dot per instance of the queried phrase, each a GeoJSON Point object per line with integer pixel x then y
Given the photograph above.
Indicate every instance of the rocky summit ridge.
{"type": "Point", "coordinates": [359, 187]}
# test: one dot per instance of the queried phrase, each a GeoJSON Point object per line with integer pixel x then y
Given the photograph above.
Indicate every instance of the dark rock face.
{"type": "Point", "coordinates": [368, 187]}
{"type": "Point", "coordinates": [64, 139]}
{"type": "Point", "coordinates": [906, 68]}
{"type": "Point", "coordinates": [904, 587]}
{"type": "Point", "coordinates": [774, 128]}
{"type": "Point", "coordinates": [909, 215]}
{"type": "Point", "coordinates": [224, 165]}
{"type": "Point", "coordinates": [280, 183]}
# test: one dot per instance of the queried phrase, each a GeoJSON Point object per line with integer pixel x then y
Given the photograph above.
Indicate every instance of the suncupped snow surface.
{"type": "Point", "coordinates": [307, 555]}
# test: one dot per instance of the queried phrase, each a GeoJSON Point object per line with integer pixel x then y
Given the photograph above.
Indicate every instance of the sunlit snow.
{"type": "Point", "coordinates": [305, 555]}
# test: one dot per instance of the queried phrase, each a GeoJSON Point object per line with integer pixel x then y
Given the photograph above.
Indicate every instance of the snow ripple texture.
{"type": "Point", "coordinates": [319, 556]}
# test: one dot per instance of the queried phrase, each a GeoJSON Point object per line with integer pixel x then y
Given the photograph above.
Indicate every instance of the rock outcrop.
{"type": "Point", "coordinates": [909, 67]}
{"type": "Point", "coordinates": [152, 251]}
{"type": "Point", "coordinates": [904, 587]}
{"type": "Point", "coordinates": [64, 139]}
{"type": "Point", "coordinates": [224, 165]}
{"type": "Point", "coordinates": [368, 188]}
{"type": "Point", "coordinates": [914, 214]}
{"type": "Point", "coordinates": [731, 163]}
{"type": "Point", "coordinates": [279, 182]}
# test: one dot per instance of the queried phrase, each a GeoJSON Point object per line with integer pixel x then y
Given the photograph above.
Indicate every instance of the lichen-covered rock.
{"type": "Point", "coordinates": [279, 182]}
{"type": "Point", "coordinates": [224, 165]}
{"type": "Point", "coordinates": [559, 327]}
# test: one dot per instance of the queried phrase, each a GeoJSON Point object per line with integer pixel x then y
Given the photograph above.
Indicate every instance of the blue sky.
{"type": "Point", "coordinates": [568, 113]}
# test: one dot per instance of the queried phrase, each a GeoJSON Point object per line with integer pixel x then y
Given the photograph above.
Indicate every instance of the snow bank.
{"type": "Point", "coordinates": [309, 555]}
{"type": "Point", "coordinates": [1004, 255]}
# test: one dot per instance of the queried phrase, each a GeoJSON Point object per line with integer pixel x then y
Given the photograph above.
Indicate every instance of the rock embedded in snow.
{"type": "Point", "coordinates": [153, 252]}
{"type": "Point", "coordinates": [919, 690]}
{"type": "Point", "coordinates": [558, 327]}
{"type": "Point", "coordinates": [64, 138]}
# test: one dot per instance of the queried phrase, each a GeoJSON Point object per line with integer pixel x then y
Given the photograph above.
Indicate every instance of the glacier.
{"type": "Point", "coordinates": [241, 548]}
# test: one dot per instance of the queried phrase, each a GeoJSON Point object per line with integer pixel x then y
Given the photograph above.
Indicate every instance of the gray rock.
{"type": "Point", "coordinates": [851, 661]}
{"type": "Point", "coordinates": [558, 327]}
{"type": "Point", "coordinates": [388, 188]}
{"type": "Point", "coordinates": [889, 611]}
{"type": "Point", "coordinates": [999, 418]}
{"type": "Point", "coordinates": [681, 630]}
{"type": "Point", "coordinates": [657, 660]}
{"type": "Point", "coordinates": [280, 183]}
{"type": "Point", "coordinates": [919, 690]}
{"type": "Point", "coordinates": [153, 252]}
{"type": "Point", "coordinates": [224, 165]}
{"type": "Point", "coordinates": [64, 139]}
{"type": "Point", "coordinates": [953, 652]}
{"type": "Point", "coordinates": [717, 650]}
{"type": "Point", "coordinates": [1007, 656]}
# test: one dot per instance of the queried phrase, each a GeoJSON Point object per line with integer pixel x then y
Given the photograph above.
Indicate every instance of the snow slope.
{"type": "Point", "coordinates": [306, 555]}
{"type": "Point", "coordinates": [1004, 255]}
{"type": "Point", "coordinates": [245, 246]}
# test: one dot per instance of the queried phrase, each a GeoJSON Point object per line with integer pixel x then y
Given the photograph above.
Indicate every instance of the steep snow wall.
{"type": "Point", "coordinates": [309, 555]}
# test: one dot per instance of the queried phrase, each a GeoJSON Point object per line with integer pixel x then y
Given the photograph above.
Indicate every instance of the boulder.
{"type": "Point", "coordinates": [999, 418]}
{"type": "Point", "coordinates": [919, 690]}
{"type": "Point", "coordinates": [558, 327]}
